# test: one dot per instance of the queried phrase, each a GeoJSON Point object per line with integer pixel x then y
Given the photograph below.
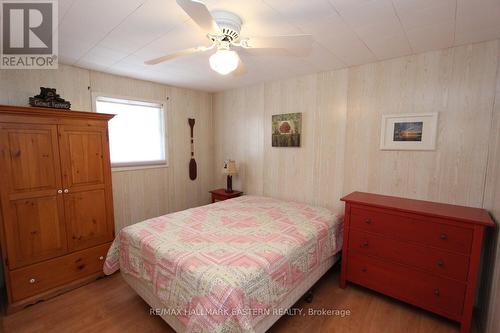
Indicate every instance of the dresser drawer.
{"type": "Point", "coordinates": [435, 261]}
{"type": "Point", "coordinates": [430, 292]}
{"type": "Point", "coordinates": [440, 235]}
{"type": "Point", "coordinates": [37, 278]}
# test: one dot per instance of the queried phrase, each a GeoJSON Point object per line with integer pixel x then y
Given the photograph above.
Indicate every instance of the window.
{"type": "Point", "coordinates": [136, 133]}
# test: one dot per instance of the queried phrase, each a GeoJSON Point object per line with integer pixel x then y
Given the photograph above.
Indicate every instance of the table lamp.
{"type": "Point", "coordinates": [229, 170]}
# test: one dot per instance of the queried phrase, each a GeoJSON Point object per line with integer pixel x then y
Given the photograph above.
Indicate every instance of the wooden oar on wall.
{"type": "Point", "coordinates": [192, 162]}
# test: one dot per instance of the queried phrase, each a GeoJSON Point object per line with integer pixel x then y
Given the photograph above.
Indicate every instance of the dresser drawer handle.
{"type": "Point", "coordinates": [436, 292]}
{"type": "Point", "coordinates": [440, 263]}
{"type": "Point", "coordinates": [443, 236]}
{"type": "Point", "coordinates": [368, 221]}
{"type": "Point", "coordinates": [32, 280]}
{"type": "Point", "coordinates": [365, 244]}
{"type": "Point", "coordinates": [101, 258]}
{"type": "Point", "coordinates": [364, 269]}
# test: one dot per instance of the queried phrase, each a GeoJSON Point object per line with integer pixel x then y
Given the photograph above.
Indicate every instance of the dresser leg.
{"type": "Point", "coordinates": [467, 313]}
{"type": "Point", "coordinates": [465, 325]}
{"type": "Point", "coordinates": [342, 284]}
{"type": "Point", "coordinates": [343, 270]}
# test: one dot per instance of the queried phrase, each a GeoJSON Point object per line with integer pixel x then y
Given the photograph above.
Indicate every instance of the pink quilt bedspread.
{"type": "Point", "coordinates": [220, 267]}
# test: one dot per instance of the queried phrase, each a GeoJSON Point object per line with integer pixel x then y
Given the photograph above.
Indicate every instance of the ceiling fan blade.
{"type": "Point", "coordinates": [278, 42]}
{"type": "Point", "coordinates": [177, 54]}
{"type": "Point", "coordinates": [200, 14]}
{"type": "Point", "coordinates": [241, 69]}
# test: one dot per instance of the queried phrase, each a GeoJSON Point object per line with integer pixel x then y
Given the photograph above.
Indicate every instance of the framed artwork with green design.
{"type": "Point", "coordinates": [286, 129]}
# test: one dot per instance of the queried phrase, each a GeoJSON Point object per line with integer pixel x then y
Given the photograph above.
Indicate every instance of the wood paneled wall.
{"type": "Point", "coordinates": [341, 129]}
{"type": "Point", "coordinates": [72, 83]}
{"type": "Point", "coordinates": [312, 173]}
{"type": "Point", "coordinates": [142, 193]}
{"type": "Point", "coordinates": [239, 134]}
{"type": "Point", "coordinates": [459, 83]}
{"type": "Point", "coordinates": [492, 203]}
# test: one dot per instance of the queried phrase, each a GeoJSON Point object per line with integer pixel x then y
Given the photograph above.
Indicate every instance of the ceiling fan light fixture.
{"type": "Point", "coordinates": [222, 29]}
{"type": "Point", "coordinates": [224, 61]}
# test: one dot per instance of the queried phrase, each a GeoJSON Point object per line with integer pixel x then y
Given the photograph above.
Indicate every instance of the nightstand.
{"type": "Point", "coordinates": [220, 194]}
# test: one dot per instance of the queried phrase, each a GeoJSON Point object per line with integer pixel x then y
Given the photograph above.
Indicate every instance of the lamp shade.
{"type": "Point", "coordinates": [230, 168]}
{"type": "Point", "coordinates": [224, 61]}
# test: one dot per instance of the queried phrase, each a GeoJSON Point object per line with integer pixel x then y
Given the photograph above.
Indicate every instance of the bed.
{"type": "Point", "coordinates": [233, 266]}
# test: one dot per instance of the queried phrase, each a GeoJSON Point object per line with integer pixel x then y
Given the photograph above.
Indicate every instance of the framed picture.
{"type": "Point", "coordinates": [416, 131]}
{"type": "Point", "coordinates": [286, 130]}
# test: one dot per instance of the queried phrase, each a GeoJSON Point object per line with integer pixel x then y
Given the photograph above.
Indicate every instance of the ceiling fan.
{"type": "Point", "coordinates": [223, 31]}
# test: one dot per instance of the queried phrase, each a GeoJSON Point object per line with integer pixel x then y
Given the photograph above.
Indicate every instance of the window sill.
{"type": "Point", "coordinates": [122, 168]}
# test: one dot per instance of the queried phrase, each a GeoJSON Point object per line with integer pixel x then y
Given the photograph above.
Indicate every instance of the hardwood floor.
{"type": "Point", "coordinates": [110, 305]}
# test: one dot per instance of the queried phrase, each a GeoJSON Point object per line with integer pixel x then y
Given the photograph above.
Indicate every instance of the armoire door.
{"type": "Point", "coordinates": [86, 185]}
{"type": "Point", "coordinates": [32, 199]}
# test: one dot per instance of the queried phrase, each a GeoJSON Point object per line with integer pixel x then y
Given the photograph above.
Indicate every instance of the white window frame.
{"type": "Point", "coordinates": [115, 167]}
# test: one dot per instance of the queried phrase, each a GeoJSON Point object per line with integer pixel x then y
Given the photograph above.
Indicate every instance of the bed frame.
{"type": "Point", "coordinates": [145, 291]}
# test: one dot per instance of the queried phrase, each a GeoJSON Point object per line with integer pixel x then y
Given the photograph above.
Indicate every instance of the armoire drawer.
{"type": "Point", "coordinates": [430, 292]}
{"type": "Point", "coordinates": [440, 235]}
{"type": "Point", "coordinates": [37, 278]}
{"type": "Point", "coordinates": [432, 260]}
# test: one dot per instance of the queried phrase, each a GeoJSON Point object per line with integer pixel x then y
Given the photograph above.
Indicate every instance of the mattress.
{"type": "Point", "coordinates": [224, 267]}
{"type": "Point", "coordinates": [158, 308]}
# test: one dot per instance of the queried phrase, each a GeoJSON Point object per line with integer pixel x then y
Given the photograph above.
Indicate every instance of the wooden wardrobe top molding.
{"type": "Point", "coordinates": [433, 209]}
{"type": "Point", "coordinates": [10, 110]}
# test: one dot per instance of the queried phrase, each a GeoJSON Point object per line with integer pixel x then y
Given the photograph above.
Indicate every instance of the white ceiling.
{"type": "Point", "coordinates": [117, 36]}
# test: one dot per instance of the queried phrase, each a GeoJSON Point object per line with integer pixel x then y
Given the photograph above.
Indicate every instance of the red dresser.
{"type": "Point", "coordinates": [424, 253]}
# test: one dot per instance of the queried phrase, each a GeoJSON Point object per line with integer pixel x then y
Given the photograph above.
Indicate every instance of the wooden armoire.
{"type": "Point", "coordinates": [56, 200]}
